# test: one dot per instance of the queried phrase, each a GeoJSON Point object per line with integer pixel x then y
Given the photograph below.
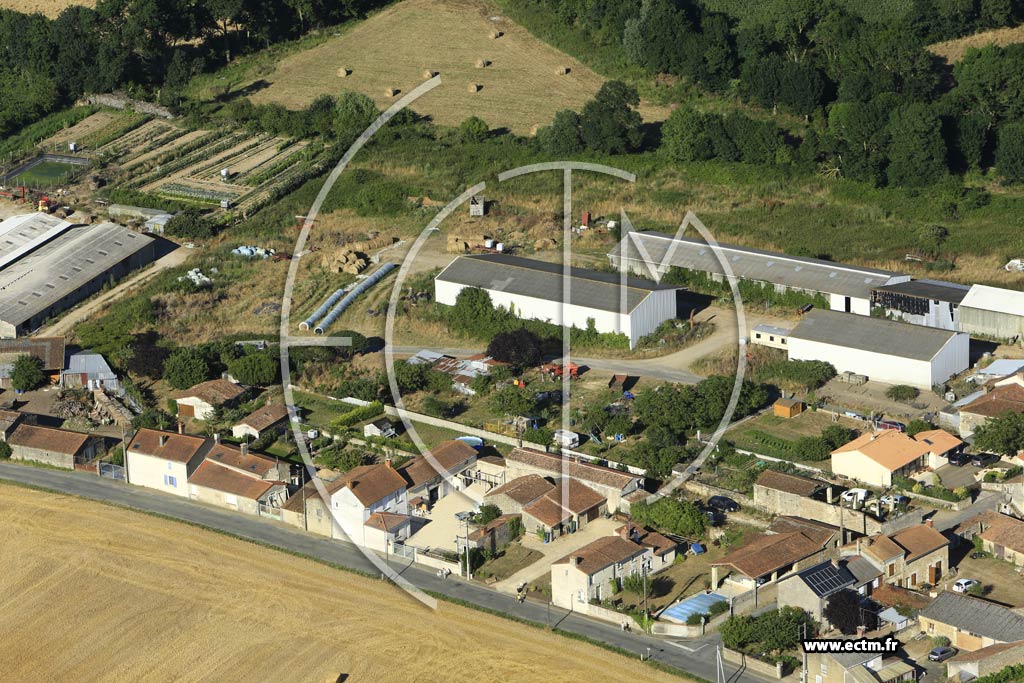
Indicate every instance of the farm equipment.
{"type": "Point", "coordinates": [556, 370]}
{"type": "Point", "coordinates": [44, 205]}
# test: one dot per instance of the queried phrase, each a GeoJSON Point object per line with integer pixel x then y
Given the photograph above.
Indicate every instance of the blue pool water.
{"type": "Point", "coordinates": [698, 604]}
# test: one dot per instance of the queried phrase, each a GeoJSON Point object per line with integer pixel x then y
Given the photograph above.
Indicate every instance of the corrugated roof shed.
{"type": "Point", "coordinates": [61, 267]}
{"type": "Point", "coordinates": [754, 264]}
{"type": "Point", "coordinates": [875, 335]}
{"type": "Point", "coordinates": [950, 292]}
{"type": "Point", "coordinates": [996, 299]}
{"type": "Point", "coordinates": [543, 280]}
{"type": "Point", "coordinates": [977, 616]}
{"type": "Point", "coordinates": [21, 234]}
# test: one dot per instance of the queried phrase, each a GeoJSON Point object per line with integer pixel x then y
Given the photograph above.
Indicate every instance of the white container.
{"type": "Point", "coordinates": [500, 246]}
{"type": "Point", "coordinates": [489, 243]}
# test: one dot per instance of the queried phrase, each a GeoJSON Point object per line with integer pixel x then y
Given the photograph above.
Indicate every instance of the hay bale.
{"type": "Point", "coordinates": [483, 63]}
{"type": "Point", "coordinates": [534, 129]}
{"type": "Point", "coordinates": [429, 73]}
{"type": "Point", "coordinates": [391, 92]}
{"type": "Point", "coordinates": [496, 34]}
{"type": "Point", "coordinates": [562, 70]}
{"type": "Point", "coordinates": [474, 87]}
{"type": "Point", "coordinates": [344, 72]}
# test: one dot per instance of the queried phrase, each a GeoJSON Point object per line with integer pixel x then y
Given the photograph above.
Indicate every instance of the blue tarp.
{"type": "Point", "coordinates": [698, 604]}
{"type": "Point", "coordinates": [697, 549]}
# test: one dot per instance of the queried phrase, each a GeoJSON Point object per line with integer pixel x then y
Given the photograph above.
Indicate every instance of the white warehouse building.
{"type": "Point", "coordinates": [884, 350]}
{"type": "Point", "coordinates": [534, 290]}
{"type": "Point", "coordinates": [847, 288]}
{"type": "Point", "coordinates": [992, 312]}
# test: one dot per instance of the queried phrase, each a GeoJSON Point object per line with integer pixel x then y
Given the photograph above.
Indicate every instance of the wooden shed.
{"type": "Point", "coordinates": [788, 407]}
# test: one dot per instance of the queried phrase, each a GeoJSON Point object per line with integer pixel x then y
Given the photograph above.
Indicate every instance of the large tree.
{"type": "Point", "coordinates": [1010, 152]}
{"type": "Point", "coordinates": [1003, 434]}
{"type": "Point", "coordinates": [609, 123]}
{"type": "Point", "coordinates": [186, 367]}
{"type": "Point", "coordinates": [519, 348]}
{"type": "Point", "coordinates": [845, 612]}
{"type": "Point", "coordinates": [27, 373]}
{"type": "Point", "coordinates": [917, 152]}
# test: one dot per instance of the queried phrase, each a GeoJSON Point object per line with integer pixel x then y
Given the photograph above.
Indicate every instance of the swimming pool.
{"type": "Point", "coordinates": [697, 604]}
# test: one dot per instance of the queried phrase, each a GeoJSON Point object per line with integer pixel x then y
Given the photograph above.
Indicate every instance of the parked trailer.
{"type": "Point", "coordinates": [352, 296]}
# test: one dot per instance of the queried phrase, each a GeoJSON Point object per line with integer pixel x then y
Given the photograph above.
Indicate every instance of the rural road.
{"type": "Point", "coordinates": [696, 657]}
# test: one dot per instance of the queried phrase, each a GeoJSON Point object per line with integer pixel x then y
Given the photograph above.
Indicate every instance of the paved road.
{"type": "Point", "coordinates": [696, 656]}
{"type": "Point", "coordinates": [947, 519]}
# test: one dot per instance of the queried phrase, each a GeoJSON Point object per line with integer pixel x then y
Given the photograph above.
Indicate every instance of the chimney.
{"type": "Point", "coordinates": [575, 560]}
{"type": "Point", "coordinates": [216, 437]}
{"type": "Point", "coordinates": [181, 427]}
{"type": "Point", "coordinates": [858, 546]}
{"type": "Point", "coordinates": [163, 439]}
{"type": "Point", "coordinates": [829, 494]}
{"type": "Point", "coordinates": [873, 436]}
{"type": "Point", "coordinates": [245, 449]}
{"type": "Point", "coordinates": [387, 461]}
{"type": "Point", "coordinates": [930, 523]}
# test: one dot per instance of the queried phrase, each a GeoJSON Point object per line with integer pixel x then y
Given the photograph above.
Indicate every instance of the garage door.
{"type": "Point", "coordinates": [186, 410]}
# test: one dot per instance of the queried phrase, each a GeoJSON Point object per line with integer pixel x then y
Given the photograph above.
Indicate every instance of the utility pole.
{"type": "Point", "coordinates": [302, 487]}
{"type": "Point", "coordinates": [646, 613]}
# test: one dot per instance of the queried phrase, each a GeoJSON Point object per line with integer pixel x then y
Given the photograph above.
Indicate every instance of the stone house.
{"type": "Point", "coordinates": [986, 661]}
{"type": "Point", "coordinates": [591, 572]}
{"type": "Point", "coordinates": [513, 496]}
{"type": "Point", "coordinates": [970, 623]}
{"type": "Point", "coordinates": [564, 509]}
{"type": "Point", "coordinates": [612, 484]}
{"type": "Point", "coordinates": [56, 447]}
{"type": "Point", "coordinates": [272, 417]}
{"type": "Point", "coordinates": [203, 399]}
{"type": "Point", "coordinates": [908, 558]}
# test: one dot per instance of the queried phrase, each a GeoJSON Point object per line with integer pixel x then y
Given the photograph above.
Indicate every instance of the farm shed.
{"type": "Point", "coordinates": [56, 447]}
{"type": "Point", "coordinates": [534, 289]}
{"type": "Point", "coordinates": [65, 265]}
{"type": "Point", "coordinates": [788, 407]}
{"type": "Point", "coordinates": [272, 416]}
{"type": "Point", "coordinates": [50, 350]}
{"type": "Point", "coordinates": [992, 312]}
{"type": "Point", "coordinates": [201, 400]}
{"type": "Point", "coordinates": [884, 350]}
{"type": "Point", "coordinates": [932, 303]}
{"type": "Point", "coordinates": [847, 288]}
{"type": "Point", "coordinates": [88, 370]}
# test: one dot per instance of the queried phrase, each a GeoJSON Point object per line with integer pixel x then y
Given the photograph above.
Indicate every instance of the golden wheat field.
{"type": "Point", "coordinates": [953, 50]}
{"type": "Point", "coordinates": [50, 8]}
{"type": "Point", "coordinates": [90, 592]}
{"type": "Point", "coordinates": [520, 78]}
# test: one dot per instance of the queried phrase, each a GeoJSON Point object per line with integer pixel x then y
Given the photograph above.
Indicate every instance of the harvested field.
{"type": "Point", "coordinates": [953, 50]}
{"type": "Point", "coordinates": [87, 127]}
{"type": "Point", "coordinates": [518, 90]}
{"type": "Point", "coordinates": [50, 8]}
{"type": "Point", "coordinates": [98, 593]}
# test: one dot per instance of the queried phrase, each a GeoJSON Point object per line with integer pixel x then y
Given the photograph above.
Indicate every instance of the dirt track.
{"type": "Point", "coordinates": [94, 593]}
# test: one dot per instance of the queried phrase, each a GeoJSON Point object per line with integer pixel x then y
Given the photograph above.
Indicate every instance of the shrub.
{"type": "Point", "coordinates": [940, 641]}
{"type": "Point", "coordinates": [902, 392]}
{"type": "Point", "coordinates": [360, 414]}
{"type": "Point", "coordinates": [695, 619]}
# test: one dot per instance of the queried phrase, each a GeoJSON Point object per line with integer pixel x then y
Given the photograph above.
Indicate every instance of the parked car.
{"type": "Point", "coordinates": [895, 499]}
{"type": "Point", "coordinates": [958, 459]}
{"type": "Point", "coordinates": [964, 585]}
{"type": "Point", "coordinates": [723, 503]}
{"type": "Point", "coordinates": [979, 555]}
{"type": "Point", "coordinates": [858, 495]}
{"type": "Point", "coordinates": [982, 459]}
{"type": "Point", "coordinates": [941, 654]}
{"type": "Point", "coordinates": [714, 517]}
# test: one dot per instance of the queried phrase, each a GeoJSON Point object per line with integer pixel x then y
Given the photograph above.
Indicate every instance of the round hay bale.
{"type": "Point", "coordinates": [344, 72]}
{"type": "Point", "coordinates": [483, 63]}
{"type": "Point", "coordinates": [496, 34]}
{"type": "Point", "coordinates": [429, 73]}
{"type": "Point", "coordinates": [534, 129]}
{"type": "Point", "coordinates": [391, 92]}
{"type": "Point", "coordinates": [562, 70]}
{"type": "Point", "coordinates": [474, 87]}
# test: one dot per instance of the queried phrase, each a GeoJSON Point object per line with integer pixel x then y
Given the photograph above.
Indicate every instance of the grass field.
{"type": "Point", "coordinates": [45, 174]}
{"type": "Point", "coordinates": [50, 8]}
{"type": "Point", "coordinates": [953, 50]}
{"type": "Point", "coordinates": [520, 87]}
{"type": "Point", "coordinates": [97, 593]}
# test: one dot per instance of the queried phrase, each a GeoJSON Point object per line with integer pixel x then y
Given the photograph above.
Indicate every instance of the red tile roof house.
{"type": "Point", "coordinates": [371, 506]}
{"type": "Point", "coordinates": [236, 489]}
{"type": "Point", "coordinates": [1000, 396]}
{"type": "Point", "coordinates": [164, 460]}
{"type": "Point", "coordinates": [203, 399]}
{"type": "Point", "coordinates": [590, 572]}
{"type": "Point", "coordinates": [663, 549]}
{"type": "Point", "coordinates": [770, 557]}
{"type": "Point", "coordinates": [271, 417]}
{"type": "Point", "coordinates": [434, 480]}
{"type": "Point", "coordinates": [563, 509]}
{"type": "Point", "coordinates": [56, 447]}
{"type": "Point", "coordinates": [908, 558]}
{"type": "Point", "coordinates": [612, 484]}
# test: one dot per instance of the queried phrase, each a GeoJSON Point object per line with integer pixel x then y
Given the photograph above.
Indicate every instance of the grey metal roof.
{"type": "Point", "coordinates": [977, 616]}
{"type": "Point", "coordinates": [848, 660]}
{"type": "Point", "coordinates": [929, 289]}
{"type": "Point", "coordinates": [754, 264]}
{"type": "Point", "coordinates": [62, 266]}
{"type": "Point", "coordinates": [826, 578]}
{"type": "Point", "coordinates": [21, 234]}
{"type": "Point", "coordinates": [876, 335]}
{"type": "Point", "coordinates": [544, 280]}
{"type": "Point", "coordinates": [89, 363]}
{"type": "Point", "coordinates": [772, 329]}
{"type": "Point", "coordinates": [862, 569]}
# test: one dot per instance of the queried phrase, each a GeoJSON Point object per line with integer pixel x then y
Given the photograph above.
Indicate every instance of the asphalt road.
{"type": "Point", "coordinates": [696, 657]}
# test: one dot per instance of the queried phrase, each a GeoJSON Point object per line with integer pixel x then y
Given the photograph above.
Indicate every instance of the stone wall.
{"type": "Point", "coordinates": [122, 101]}
{"type": "Point", "coordinates": [752, 664]}
{"type": "Point", "coordinates": [62, 460]}
{"type": "Point", "coordinates": [782, 503]}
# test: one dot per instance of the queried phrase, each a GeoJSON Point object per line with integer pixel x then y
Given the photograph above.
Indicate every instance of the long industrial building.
{"type": "Point", "coordinates": [847, 288]}
{"type": "Point", "coordinates": [885, 350]}
{"type": "Point", "coordinates": [48, 265]}
{"type": "Point", "coordinates": [534, 290]}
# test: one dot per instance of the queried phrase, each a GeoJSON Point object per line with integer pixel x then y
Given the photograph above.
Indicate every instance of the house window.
{"type": "Point", "coordinates": [892, 569]}
{"type": "Point", "coordinates": [824, 666]}
{"type": "Point", "coordinates": [170, 481]}
{"type": "Point", "coordinates": [771, 338]}
{"type": "Point", "coordinates": [783, 341]}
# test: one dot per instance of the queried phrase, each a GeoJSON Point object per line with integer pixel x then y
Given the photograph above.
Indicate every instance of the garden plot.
{"type": "Point", "coordinates": [154, 132]}
{"type": "Point", "coordinates": [163, 146]}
